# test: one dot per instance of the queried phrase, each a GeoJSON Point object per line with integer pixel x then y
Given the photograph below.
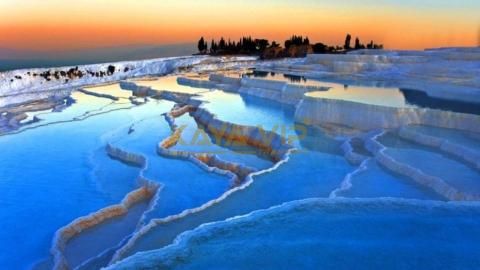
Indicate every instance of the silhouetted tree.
{"type": "Point", "coordinates": [221, 44]}
{"type": "Point", "coordinates": [357, 43]}
{"type": "Point", "coordinates": [261, 44]}
{"type": "Point", "coordinates": [348, 38]}
{"type": "Point", "coordinates": [320, 48]}
{"type": "Point", "coordinates": [296, 40]}
{"type": "Point", "coordinates": [213, 47]}
{"type": "Point", "coordinates": [202, 45]}
{"type": "Point", "coordinates": [370, 45]}
{"type": "Point", "coordinates": [247, 45]}
{"type": "Point", "coordinates": [306, 41]}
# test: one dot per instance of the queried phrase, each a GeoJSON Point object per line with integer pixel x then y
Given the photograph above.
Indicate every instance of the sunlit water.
{"type": "Point", "coordinates": [169, 83]}
{"type": "Point", "coordinates": [368, 92]}
{"type": "Point", "coordinates": [371, 95]}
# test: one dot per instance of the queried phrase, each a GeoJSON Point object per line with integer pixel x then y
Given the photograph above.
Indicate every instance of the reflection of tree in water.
{"type": "Point", "coordinates": [265, 74]}
{"type": "Point", "coordinates": [295, 78]}
{"type": "Point", "coordinates": [258, 74]}
{"type": "Point", "coordinates": [421, 99]}
{"type": "Point", "coordinates": [261, 74]}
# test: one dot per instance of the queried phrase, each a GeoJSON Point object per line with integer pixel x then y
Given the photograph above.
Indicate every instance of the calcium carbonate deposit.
{"type": "Point", "coordinates": [329, 161]}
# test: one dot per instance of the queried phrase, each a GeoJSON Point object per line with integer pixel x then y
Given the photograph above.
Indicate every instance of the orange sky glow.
{"type": "Point", "coordinates": [64, 25]}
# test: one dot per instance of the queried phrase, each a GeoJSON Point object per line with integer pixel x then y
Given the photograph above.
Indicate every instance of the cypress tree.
{"type": "Point", "coordinates": [348, 38]}
{"type": "Point", "coordinates": [201, 45]}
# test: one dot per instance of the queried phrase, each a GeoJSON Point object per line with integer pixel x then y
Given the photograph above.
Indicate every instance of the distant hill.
{"type": "Point", "coordinates": [15, 59]}
{"type": "Point", "coordinates": [7, 53]}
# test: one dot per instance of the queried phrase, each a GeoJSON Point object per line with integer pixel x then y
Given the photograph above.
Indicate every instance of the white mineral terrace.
{"type": "Point", "coordinates": [376, 105]}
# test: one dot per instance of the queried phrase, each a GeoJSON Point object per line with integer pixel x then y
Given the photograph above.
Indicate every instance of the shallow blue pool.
{"type": "Point", "coordinates": [57, 169]}
{"type": "Point", "coordinates": [330, 234]}
{"type": "Point", "coordinates": [50, 176]}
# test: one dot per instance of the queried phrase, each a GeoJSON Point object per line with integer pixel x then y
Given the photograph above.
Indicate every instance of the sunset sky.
{"type": "Point", "coordinates": [408, 24]}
